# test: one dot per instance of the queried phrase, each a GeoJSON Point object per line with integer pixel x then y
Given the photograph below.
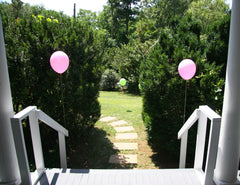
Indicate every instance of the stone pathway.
{"type": "Point", "coordinates": [126, 136]}
{"type": "Point", "coordinates": [123, 133]}
{"type": "Point", "coordinates": [125, 146]}
{"type": "Point", "coordinates": [124, 129]}
{"type": "Point", "coordinates": [123, 159]}
{"type": "Point", "coordinates": [118, 123]}
{"type": "Point", "coordinates": [107, 119]}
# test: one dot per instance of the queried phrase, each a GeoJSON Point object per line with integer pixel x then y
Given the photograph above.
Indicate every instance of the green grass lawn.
{"type": "Point", "coordinates": [123, 106]}
{"type": "Point", "coordinates": [126, 107]}
{"type": "Point", "coordinates": [95, 151]}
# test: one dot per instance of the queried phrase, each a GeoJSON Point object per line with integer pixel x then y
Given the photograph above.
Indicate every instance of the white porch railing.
{"type": "Point", "coordinates": [34, 115]}
{"type": "Point", "coordinates": [202, 115]}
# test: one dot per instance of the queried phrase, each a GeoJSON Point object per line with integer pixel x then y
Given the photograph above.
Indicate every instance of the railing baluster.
{"type": "Point", "coordinates": [62, 150]}
{"type": "Point", "coordinates": [183, 149]}
{"type": "Point", "coordinates": [200, 143]}
{"type": "Point", "coordinates": [36, 141]}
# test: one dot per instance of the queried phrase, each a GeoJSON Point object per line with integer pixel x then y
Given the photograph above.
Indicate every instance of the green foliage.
{"type": "Point", "coordinates": [119, 17]}
{"type": "Point", "coordinates": [217, 47]}
{"type": "Point", "coordinates": [70, 98]}
{"type": "Point", "coordinates": [126, 60]}
{"type": "Point", "coordinates": [87, 16]}
{"type": "Point", "coordinates": [208, 11]}
{"type": "Point", "coordinates": [109, 80]}
{"type": "Point", "coordinates": [163, 89]}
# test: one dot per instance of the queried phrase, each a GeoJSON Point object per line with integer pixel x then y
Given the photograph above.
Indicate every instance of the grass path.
{"type": "Point", "coordinates": [129, 108]}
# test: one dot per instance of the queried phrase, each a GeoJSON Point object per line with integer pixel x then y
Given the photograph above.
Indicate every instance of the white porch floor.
{"type": "Point", "coordinates": [120, 177]}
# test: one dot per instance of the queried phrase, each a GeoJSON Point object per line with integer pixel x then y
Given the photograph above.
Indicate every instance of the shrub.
{"type": "Point", "coordinates": [70, 98]}
{"type": "Point", "coordinates": [163, 89]}
{"type": "Point", "coordinates": [109, 80]}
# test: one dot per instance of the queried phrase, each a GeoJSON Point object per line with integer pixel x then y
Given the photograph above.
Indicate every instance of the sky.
{"type": "Point", "coordinates": [67, 5]}
{"type": "Point", "coordinates": [229, 2]}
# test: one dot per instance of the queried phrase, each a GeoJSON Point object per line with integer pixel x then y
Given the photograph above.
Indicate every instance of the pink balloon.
{"type": "Point", "coordinates": [187, 69]}
{"type": "Point", "coordinates": [59, 61]}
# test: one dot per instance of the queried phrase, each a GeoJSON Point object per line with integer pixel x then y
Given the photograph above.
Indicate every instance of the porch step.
{"type": "Point", "coordinates": [123, 159]}
{"type": "Point", "coordinates": [125, 146]}
{"type": "Point", "coordinates": [116, 177]}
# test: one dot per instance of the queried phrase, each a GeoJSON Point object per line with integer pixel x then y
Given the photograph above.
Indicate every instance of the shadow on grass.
{"type": "Point", "coordinates": [93, 152]}
{"type": "Point", "coordinates": [164, 160]}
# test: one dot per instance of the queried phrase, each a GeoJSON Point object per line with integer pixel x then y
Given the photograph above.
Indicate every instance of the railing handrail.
{"type": "Point", "coordinates": [189, 123]}
{"type": "Point", "coordinates": [51, 122]}
{"type": "Point", "coordinates": [41, 116]}
{"type": "Point", "coordinates": [34, 115]}
{"type": "Point", "coordinates": [202, 114]}
{"type": "Point", "coordinates": [209, 112]}
{"type": "Point", "coordinates": [24, 113]}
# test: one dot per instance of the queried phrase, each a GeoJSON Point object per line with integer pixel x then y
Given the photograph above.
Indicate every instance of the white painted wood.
{"type": "Point", "coordinates": [36, 141]}
{"type": "Point", "coordinates": [229, 142]}
{"type": "Point", "coordinates": [34, 115]}
{"type": "Point", "coordinates": [21, 151]}
{"type": "Point", "coordinates": [209, 112]}
{"type": "Point", "coordinates": [9, 171]}
{"type": "Point", "coordinates": [25, 112]}
{"type": "Point", "coordinates": [212, 150]}
{"type": "Point", "coordinates": [51, 123]}
{"type": "Point", "coordinates": [202, 115]}
{"type": "Point", "coordinates": [191, 120]}
{"type": "Point", "coordinates": [36, 176]}
{"type": "Point", "coordinates": [200, 143]}
{"type": "Point", "coordinates": [124, 177]}
{"type": "Point", "coordinates": [183, 150]}
{"type": "Point", "coordinates": [62, 150]}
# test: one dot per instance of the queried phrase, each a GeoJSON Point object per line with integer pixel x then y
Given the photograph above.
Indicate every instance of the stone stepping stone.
{"type": "Point", "coordinates": [124, 129]}
{"type": "Point", "coordinates": [107, 119]}
{"type": "Point", "coordinates": [125, 146]}
{"type": "Point", "coordinates": [123, 159]}
{"type": "Point", "coordinates": [118, 123]}
{"type": "Point", "coordinates": [126, 136]}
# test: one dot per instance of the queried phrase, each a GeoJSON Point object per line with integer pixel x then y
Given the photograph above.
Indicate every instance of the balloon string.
{"type": "Point", "coordinates": [185, 102]}
{"type": "Point", "coordinates": [62, 97]}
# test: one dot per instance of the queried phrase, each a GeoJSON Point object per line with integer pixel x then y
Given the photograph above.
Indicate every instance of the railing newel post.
{"type": "Point", "coordinates": [20, 146]}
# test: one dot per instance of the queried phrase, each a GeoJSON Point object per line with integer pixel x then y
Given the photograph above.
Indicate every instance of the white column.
{"type": "Point", "coordinates": [229, 142]}
{"type": "Point", "coordinates": [9, 171]}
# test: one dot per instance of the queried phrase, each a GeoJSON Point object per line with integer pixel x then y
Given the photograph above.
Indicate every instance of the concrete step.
{"type": "Point", "coordinates": [123, 159]}
{"type": "Point", "coordinates": [125, 146]}
{"type": "Point", "coordinates": [108, 119]}
{"type": "Point", "coordinates": [118, 123]}
{"type": "Point", "coordinates": [124, 129]}
{"type": "Point", "coordinates": [126, 136]}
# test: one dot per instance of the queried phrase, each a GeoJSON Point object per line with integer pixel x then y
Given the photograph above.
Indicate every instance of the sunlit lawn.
{"type": "Point", "coordinates": [129, 108]}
